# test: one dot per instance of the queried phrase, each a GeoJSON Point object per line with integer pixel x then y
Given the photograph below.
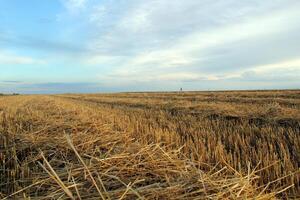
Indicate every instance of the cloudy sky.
{"type": "Point", "coordinates": [55, 46]}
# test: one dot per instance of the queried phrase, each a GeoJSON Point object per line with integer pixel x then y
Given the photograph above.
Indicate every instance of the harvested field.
{"type": "Point", "coordinates": [187, 145]}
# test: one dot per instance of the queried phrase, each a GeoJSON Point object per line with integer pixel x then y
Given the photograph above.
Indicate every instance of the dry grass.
{"type": "Point", "coordinates": [226, 145]}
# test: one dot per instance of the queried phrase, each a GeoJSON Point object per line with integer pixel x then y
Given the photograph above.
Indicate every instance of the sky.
{"type": "Point", "coordinates": [60, 46]}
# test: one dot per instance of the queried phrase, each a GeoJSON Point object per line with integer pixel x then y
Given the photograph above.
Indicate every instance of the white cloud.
{"type": "Point", "coordinates": [101, 60]}
{"type": "Point", "coordinates": [190, 50]}
{"type": "Point", "coordinates": [12, 59]}
{"type": "Point", "coordinates": [287, 65]}
{"type": "Point", "coordinates": [74, 5]}
{"type": "Point", "coordinates": [156, 78]}
{"type": "Point", "coordinates": [181, 76]}
{"type": "Point", "coordinates": [181, 52]}
{"type": "Point", "coordinates": [97, 14]}
{"type": "Point", "coordinates": [288, 70]}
